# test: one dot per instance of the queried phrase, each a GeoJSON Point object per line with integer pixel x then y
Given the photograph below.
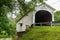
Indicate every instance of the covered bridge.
{"type": "Point", "coordinates": [43, 15]}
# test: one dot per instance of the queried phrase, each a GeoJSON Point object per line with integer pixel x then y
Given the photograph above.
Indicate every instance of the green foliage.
{"type": "Point", "coordinates": [6, 29]}
{"type": "Point", "coordinates": [27, 7]}
{"type": "Point", "coordinates": [37, 1]}
{"type": "Point", "coordinates": [57, 16]}
{"type": "Point", "coordinates": [42, 33]}
{"type": "Point", "coordinates": [7, 3]}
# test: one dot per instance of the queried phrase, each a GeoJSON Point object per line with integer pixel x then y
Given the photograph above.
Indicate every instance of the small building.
{"type": "Point", "coordinates": [43, 15]}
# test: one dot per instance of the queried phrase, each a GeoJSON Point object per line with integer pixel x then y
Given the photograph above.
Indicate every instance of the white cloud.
{"type": "Point", "coordinates": [13, 16]}
{"type": "Point", "coordinates": [9, 15]}
{"type": "Point", "coordinates": [27, 0]}
{"type": "Point", "coordinates": [57, 6]}
{"type": "Point", "coordinates": [51, 1]}
{"type": "Point", "coordinates": [54, 3]}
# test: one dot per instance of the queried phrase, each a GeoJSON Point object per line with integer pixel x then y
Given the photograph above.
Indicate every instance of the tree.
{"type": "Point", "coordinates": [57, 16]}
{"type": "Point", "coordinates": [6, 29]}
{"type": "Point", "coordinates": [7, 3]}
{"type": "Point", "coordinates": [6, 6]}
{"type": "Point", "coordinates": [26, 7]}
{"type": "Point", "coordinates": [29, 6]}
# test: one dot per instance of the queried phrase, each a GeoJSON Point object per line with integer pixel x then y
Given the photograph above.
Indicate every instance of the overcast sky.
{"type": "Point", "coordinates": [54, 3]}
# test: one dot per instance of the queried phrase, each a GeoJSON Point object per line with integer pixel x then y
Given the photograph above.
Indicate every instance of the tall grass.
{"type": "Point", "coordinates": [43, 33]}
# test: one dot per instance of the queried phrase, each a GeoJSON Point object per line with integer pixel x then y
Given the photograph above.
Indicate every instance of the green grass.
{"type": "Point", "coordinates": [42, 33]}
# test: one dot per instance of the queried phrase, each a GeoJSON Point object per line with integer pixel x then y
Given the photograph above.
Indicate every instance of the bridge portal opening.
{"type": "Point", "coordinates": [43, 17]}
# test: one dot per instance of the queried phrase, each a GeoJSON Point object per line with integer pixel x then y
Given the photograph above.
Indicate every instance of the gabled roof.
{"type": "Point", "coordinates": [50, 6]}
{"type": "Point", "coordinates": [47, 6]}
{"type": "Point", "coordinates": [38, 5]}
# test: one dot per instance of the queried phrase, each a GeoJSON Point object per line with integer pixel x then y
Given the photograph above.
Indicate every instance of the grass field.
{"type": "Point", "coordinates": [42, 33]}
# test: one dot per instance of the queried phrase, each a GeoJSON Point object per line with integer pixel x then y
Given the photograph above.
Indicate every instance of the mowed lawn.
{"type": "Point", "coordinates": [42, 33]}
